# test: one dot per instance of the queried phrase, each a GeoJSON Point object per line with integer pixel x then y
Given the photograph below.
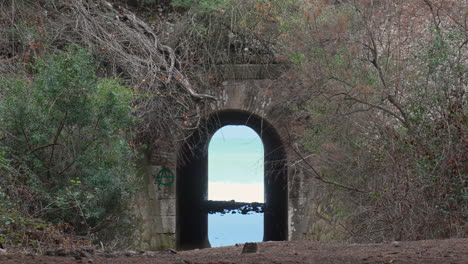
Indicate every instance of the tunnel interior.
{"type": "Point", "coordinates": [192, 180]}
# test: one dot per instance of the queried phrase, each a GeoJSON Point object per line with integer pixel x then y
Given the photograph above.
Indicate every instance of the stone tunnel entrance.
{"type": "Point", "coordinates": [192, 180]}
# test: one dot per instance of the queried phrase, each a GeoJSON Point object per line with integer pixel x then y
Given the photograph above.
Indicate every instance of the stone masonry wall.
{"type": "Point", "coordinates": [245, 87]}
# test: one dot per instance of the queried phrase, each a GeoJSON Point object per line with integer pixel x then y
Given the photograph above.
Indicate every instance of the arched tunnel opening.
{"type": "Point", "coordinates": [192, 180]}
{"type": "Point", "coordinates": [235, 186]}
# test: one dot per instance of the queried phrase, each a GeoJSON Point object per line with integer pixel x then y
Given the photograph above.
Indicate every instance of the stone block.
{"type": "Point", "coordinates": [168, 207]}
{"type": "Point", "coordinates": [167, 225]}
{"type": "Point", "coordinates": [251, 71]}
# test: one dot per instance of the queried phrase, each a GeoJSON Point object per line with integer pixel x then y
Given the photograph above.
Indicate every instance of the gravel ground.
{"type": "Point", "coordinates": [426, 251]}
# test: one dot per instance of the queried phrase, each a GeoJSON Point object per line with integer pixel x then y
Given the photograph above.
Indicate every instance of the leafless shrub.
{"type": "Point", "coordinates": [387, 117]}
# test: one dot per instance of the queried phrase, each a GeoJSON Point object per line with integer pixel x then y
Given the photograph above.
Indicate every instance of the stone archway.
{"type": "Point", "coordinates": [192, 180]}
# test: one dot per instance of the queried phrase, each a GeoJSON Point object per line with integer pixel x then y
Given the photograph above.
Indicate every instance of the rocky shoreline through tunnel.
{"type": "Point", "coordinates": [233, 207]}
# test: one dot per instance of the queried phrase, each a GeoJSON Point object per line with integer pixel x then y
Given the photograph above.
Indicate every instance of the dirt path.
{"type": "Point", "coordinates": [428, 251]}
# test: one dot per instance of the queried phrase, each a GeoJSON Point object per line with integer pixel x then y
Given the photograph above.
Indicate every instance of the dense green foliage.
{"type": "Point", "coordinates": [64, 135]}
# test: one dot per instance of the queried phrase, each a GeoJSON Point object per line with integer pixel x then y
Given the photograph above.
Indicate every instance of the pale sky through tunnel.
{"type": "Point", "coordinates": [235, 165]}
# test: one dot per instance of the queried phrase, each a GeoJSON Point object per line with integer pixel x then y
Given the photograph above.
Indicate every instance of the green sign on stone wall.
{"type": "Point", "coordinates": [165, 177]}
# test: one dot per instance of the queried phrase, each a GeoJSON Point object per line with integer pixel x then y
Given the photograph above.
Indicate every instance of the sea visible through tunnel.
{"type": "Point", "coordinates": [230, 229]}
{"type": "Point", "coordinates": [236, 173]}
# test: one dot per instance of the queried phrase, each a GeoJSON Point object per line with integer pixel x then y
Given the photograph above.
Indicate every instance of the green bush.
{"type": "Point", "coordinates": [66, 131]}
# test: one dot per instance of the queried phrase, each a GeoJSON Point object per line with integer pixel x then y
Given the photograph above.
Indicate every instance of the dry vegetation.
{"type": "Point", "coordinates": [387, 109]}
{"type": "Point", "coordinates": [377, 91]}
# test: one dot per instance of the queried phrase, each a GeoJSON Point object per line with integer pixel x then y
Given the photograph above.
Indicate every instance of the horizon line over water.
{"type": "Point", "coordinates": [235, 172]}
{"type": "Point", "coordinates": [247, 193]}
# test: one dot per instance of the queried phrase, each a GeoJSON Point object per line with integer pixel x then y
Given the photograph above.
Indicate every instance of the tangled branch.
{"type": "Point", "coordinates": [128, 47]}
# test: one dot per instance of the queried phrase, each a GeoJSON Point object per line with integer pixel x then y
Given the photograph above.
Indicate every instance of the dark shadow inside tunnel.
{"type": "Point", "coordinates": [192, 180]}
